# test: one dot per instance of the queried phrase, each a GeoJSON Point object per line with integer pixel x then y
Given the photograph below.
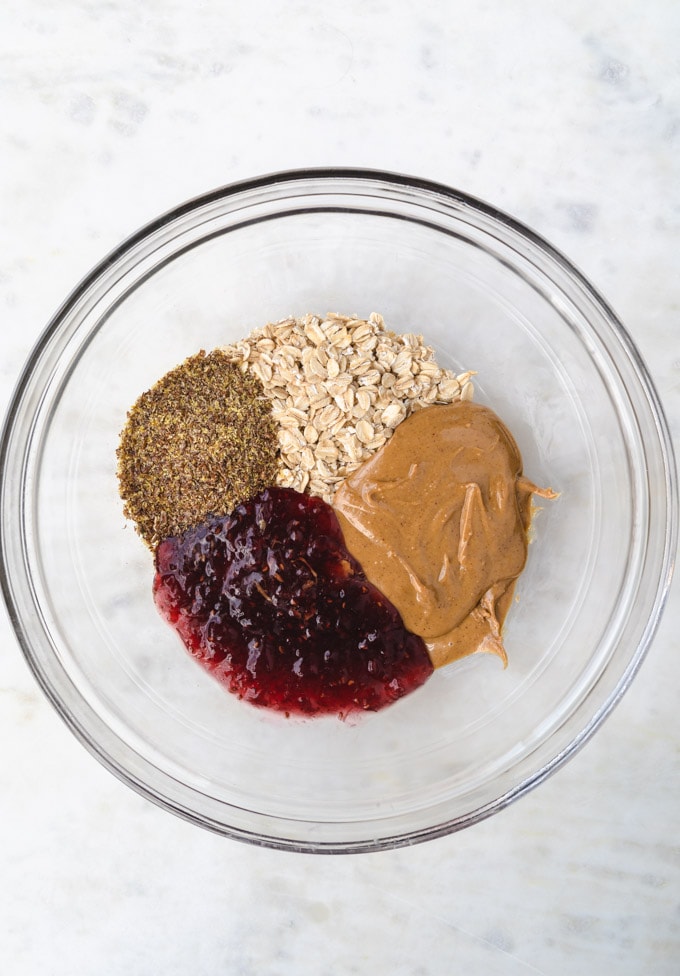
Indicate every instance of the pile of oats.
{"type": "Point", "coordinates": [339, 386]}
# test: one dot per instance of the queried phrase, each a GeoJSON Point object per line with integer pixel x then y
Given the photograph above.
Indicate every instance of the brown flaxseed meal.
{"type": "Point", "coordinates": [199, 442]}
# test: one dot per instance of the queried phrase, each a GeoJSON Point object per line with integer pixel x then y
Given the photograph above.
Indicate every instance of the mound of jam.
{"type": "Point", "coordinates": [270, 602]}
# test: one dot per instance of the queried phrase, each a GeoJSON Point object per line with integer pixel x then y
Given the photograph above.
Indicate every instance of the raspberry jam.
{"type": "Point", "coordinates": [270, 601]}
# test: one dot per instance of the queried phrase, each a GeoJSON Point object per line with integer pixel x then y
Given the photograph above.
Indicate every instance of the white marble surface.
{"type": "Point", "coordinates": [566, 115]}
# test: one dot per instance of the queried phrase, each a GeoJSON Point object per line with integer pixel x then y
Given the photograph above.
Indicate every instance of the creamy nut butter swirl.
{"type": "Point", "coordinates": [438, 519]}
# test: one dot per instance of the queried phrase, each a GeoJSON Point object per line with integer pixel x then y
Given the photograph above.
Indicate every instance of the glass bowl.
{"type": "Point", "coordinates": [551, 358]}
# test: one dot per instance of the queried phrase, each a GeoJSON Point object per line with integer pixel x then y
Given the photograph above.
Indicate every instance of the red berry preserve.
{"type": "Point", "coordinates": [270, 601]}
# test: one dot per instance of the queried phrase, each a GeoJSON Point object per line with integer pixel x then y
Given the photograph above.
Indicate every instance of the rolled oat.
{"type": "Point", "coordinates": [338, 388]}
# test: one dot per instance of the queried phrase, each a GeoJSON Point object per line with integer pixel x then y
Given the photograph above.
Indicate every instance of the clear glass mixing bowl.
{"type": "Point", "coordinates": [551, 359]}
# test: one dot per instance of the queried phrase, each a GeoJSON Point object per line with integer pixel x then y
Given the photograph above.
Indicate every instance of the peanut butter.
{"type": "Point", "coordinates": [438, 519]}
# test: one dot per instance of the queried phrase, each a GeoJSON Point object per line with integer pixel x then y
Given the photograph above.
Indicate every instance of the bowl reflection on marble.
{"type": "Point", "coordinates": [551, 359]}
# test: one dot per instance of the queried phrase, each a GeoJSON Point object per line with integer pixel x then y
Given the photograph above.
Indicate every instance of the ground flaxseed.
{"type": "Point", "coordinates": [199, 442]}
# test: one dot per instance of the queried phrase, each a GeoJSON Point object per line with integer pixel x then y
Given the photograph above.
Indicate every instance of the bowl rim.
{"type": "Point", "coordinates": [397, 181]}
